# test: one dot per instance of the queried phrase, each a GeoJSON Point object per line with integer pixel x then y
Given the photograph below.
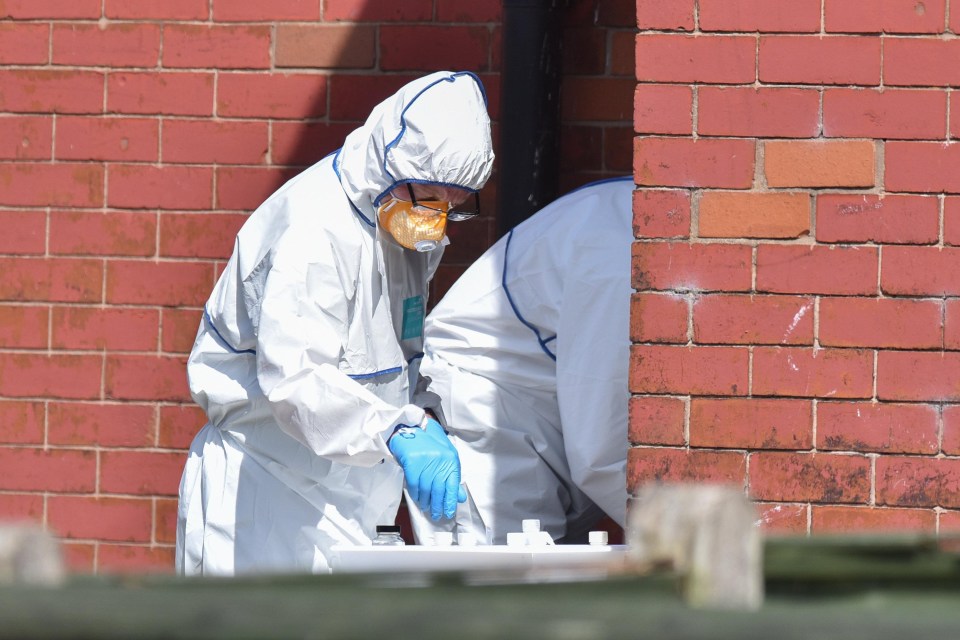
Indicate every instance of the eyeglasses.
{"type": "Point", "coordinates": [455, 213]}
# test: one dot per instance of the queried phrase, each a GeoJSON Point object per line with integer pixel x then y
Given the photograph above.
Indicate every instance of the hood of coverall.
{"type": "Point", "coordinates": [435, 129]}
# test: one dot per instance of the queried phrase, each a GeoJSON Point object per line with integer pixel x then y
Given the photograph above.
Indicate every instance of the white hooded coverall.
{"type": "Point", "coordinates": [307, 355]}
{"type": "Point", "coordinates": [529, 352]}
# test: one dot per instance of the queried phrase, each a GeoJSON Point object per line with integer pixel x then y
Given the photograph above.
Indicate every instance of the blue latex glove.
{"type": "Point", "coordinates": [431, 468]}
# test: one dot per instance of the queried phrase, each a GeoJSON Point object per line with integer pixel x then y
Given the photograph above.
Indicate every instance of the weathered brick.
{"type": "Point", "coordinates": [950, 441]}
{"type": "Point", "coordinates": [685, 162]}
{"type": "Point", "coordinates": [51, 91]}
{"type": "Point", "coordinates": [111, 328]}
{"type": "Point", "coordinates": [884, 16]}
{"type": "Point", "coordinates": [135, 559]}
{"type": "Point", "coordinates": [622, 45]}
{"type": "Point", "coordinates": [56, 9]}
{"type": "Point", "coordinates": [141, 472]}
{"type": "Point", "coordinates": [618, 149]}
{"type": "Point", "coordinates": [889, 114]}
{"type": "Point", "coordinates": [810, 477]}
{"type": "Point", "coordinates": [24, 375]}
{"type": "Point", "coordinates": [820, 163]}
{"type": "Point", "coordinates": [80, 557]}
{"type": "Point", "coordinates": [165, 520]}
{"type": "Point", "coordinates": [24, 327]}
{"type": "Point", "coordinates": [199, 235]}
{"type": "Point", "coordinates": [168, 187]}
{"type": "Point", "coordinates": [245, 188]}
{"type": "Point", "coordinates": [179, 424]}
{"type": "Point", "coordinates": [155, 378]}
{"type": "Point", "coordinates": [918, 376]}
{"type": "Point", "coordinates": [657, 420]}
{"type": "Point", "coordinates": [179, 329]}
{"type": "Point", "coordinates": [16, 507]}
{"type": "Point", "coordinates": [163, 93]}
{"type": "Point", "coordinates": [377, 11]}
{"type": "Point", "coordinates": [924, 167]}
{"type": "Point", "coordinates": [889, 219]}
{"type": "Point", "coordinates": [678, 266]}
{"type": "Point", "coordinates": [58, 185]}
{"type": "Point", "coordinates": [433, 47]}
{"type": "Point", "coordinates": [26, 137]}
{"type": "Point", "coordinates": [813, 269]}
{"type": "Point", "coordinates": [25, 232]}
{"type": "Point", "coordinates": [258, 95]}
{"type": "Point", "coordinates": [159, 9]}
{"type": "Point", "coordinates": [103, 233]}
{"type": "Point", "coordinates": [352, 97]}
{"type": "Point", "coordinates": [216, 46]}
{"type": "Point", "coordinates": [664, 109]}
{"type": "Point", "coordinates": [921, 62]}
{"type": "Point", "coordinates": [304, 143]}
{"type": "Point", "coordinates": [920, 271]}
{"type": "Point", "coordinates": [751, 423]}
{"type": "Point", "coordinates": [51, 279]}
{"type": "Point", "coordinates": [755, 214]}
{"type": "Point", "coordinates": [885, 323]}
{"type": "Point", "coordinates": [661, 214]}
{"type": "Point", "coordinates": [477, 11]}
{"type": "Point", "coordinates": [215, 142]}
{"type": "Point", "coordinates": [717, 59]}
{"type": "Point", "coordinates": [658, 318]}
{"type": "Point", "coordinates": [253, 11]}
{"type": "Point", "coordinates": [826, 60]}
{"type": "Point", "coordinates": [650, 465]}
{"type": "Point", "coordinates": [879, 427]}
{"type": "Point", "coordinates": [746, 320]}
{"type": "Point", "coordinates": [597, 99]}
{"type": "Point", "coordinates": [951, 220]}
{"type": "Point", "coordinates": [127, 44]}
{"type": "Point", "coordinates": [918, 482]}
{"type": "Point", "coordinates": [860, 520]}
{"type": "Point", "coordinates": [326, 46]}
{"type": "Point", "coordinates": [673, 15]}
{"type": "Point", "coordinates": [951, 324]}
{"type": "Point", "coordinates": [84, 517]}
{"type": "Point", "coordinates": [172, 283]}
{"type": "Point", "coordinates": [24, 43]}
{"type": "Point", "coordinates": [688, 370]}
{"type": "Point", "coordinates": [783, 519]}
{"type": "Point", "coordinates": [23, 423]}
{"type": "Point", "coordinates": [812, 373]}
{"type": "Point", "coordinates": [107, 425]}
{"type": "Point", "coordinates": [60, 470]}
{"type": "Point", "coordinates": [763, 113]}
{"type": "Point", "coordinates": [107, 138]}
{"type": "Point", "coordinates": [767, 16]}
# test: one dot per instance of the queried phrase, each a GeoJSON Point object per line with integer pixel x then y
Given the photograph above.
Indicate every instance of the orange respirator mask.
{"type": "Point", "coordinates": [420, 226]}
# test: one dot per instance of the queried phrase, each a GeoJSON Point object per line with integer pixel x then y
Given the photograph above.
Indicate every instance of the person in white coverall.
{"type": "Point", "coordinates": [529, 352]}
{"type": "Point", "coordinates": [306, 360]}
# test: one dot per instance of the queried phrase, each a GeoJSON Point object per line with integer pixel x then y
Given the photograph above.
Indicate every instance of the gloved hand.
{"type": "Point", "coordinates": [431, 468]}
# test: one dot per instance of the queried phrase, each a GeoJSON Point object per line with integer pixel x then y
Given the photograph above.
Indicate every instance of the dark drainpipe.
{"type": "Point", "coordinates": [529, 109]}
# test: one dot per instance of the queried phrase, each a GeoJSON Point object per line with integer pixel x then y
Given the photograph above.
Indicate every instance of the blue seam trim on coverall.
{"type": "Point", "coordinates": [540, 340]}
{"type": "Point", "coordinates": [206, 315]}
{"type": "Point", "coordinates": [357, 376]}
{"type": "Point", "coordinates": [336, 155]}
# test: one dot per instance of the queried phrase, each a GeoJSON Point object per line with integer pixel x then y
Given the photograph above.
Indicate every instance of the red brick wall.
{"type": "Point", "coordinates": [135, 137]}
{"type": "Point", "coordinates": [795, 321]}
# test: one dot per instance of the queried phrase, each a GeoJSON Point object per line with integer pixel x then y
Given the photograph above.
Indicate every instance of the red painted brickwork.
{"type": "Point", "coordinates": [796, 320]}
{"type": "Point", "coordinates": [135, 138]}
